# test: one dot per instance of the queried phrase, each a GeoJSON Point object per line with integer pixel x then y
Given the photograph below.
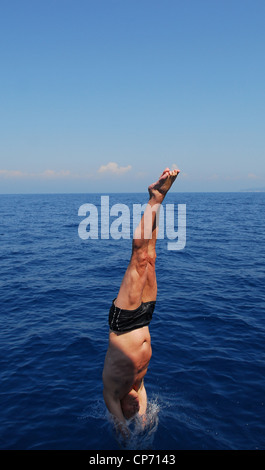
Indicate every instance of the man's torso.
{"type": "Point", "coordinates": [127, 360]}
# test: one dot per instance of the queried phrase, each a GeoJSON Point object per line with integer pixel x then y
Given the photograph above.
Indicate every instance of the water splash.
{"type": "Point", "coordinates": [141, 429]}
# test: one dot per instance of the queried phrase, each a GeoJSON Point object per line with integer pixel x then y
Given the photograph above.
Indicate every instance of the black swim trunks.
{"type": "Point", "coordinates": [121, 320]}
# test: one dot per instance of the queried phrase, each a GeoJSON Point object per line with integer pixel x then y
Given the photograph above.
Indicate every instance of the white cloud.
{"type": "Point", "coordinates": [114, 168]}
{"type": "Point", "coordinates": [212, 177]}
{"type": "Point", "coordinates": [253, 176]}
{"type": "Point", "coordinates": [175, 167]}
{"type": "Point", "coordinates": [47, 174]}
{"type": "Point", "coordinates": [12, 174]}
{"type": "Point", "coordinates": [55, 174]}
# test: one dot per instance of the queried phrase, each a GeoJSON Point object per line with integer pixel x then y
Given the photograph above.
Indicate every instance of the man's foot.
{"type": "Point", "coordinates": [159, 189]}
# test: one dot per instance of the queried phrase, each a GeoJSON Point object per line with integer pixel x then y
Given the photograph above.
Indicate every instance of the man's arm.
{"type": "Point", "coordinates": [114, 407]}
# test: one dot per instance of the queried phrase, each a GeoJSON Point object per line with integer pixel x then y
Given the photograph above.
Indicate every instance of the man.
{"type": "Point", "coordinates": [129, 350]}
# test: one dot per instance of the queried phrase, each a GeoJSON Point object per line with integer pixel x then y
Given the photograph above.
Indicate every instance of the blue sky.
{"type": "Point", "coordinates": [102, 95]}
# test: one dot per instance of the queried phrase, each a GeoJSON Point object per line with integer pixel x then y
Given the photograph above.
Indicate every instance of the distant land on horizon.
{"type": "Point", "coordinates": [253, 190]}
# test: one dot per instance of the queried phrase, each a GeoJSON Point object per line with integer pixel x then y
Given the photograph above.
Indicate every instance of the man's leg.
{"type": "Point", "coordinates": [136, 276]}
{"type": "Point", "coordinates": [139, 282]}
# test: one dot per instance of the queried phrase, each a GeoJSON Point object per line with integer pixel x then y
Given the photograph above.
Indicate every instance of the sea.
{"type": "Point", "coordinates": [206, 379]}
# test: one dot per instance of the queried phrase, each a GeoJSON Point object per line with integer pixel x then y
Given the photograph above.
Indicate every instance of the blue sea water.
{"type": "Point", "coordinates": [206, 379]}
